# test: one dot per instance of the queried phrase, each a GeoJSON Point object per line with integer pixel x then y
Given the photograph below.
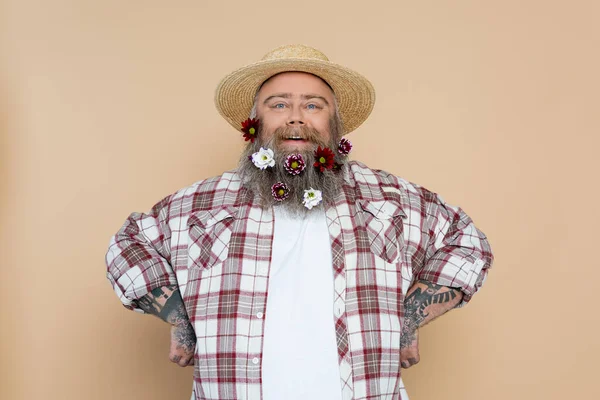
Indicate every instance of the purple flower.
{"type": "Point", "coordinates": [280, 191]}
{"type": "Point", "coordinates": [294, 164]}
{"type": "Point", "coordinates": [344, 147]}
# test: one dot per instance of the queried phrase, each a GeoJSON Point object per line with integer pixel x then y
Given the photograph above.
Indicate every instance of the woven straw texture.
{"type": "Point", "coordinates": [355, 94]}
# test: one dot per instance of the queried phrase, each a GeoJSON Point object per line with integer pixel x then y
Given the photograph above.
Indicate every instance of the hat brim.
{"type": "Point", "coordinates": [355, 95]}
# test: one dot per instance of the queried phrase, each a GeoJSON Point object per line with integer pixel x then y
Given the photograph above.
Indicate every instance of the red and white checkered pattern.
{"type": "Point", "coordinates": [214, 241]}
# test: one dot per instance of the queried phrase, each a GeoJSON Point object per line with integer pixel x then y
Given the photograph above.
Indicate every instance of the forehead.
{"type": "Point", "coordinates": [296, 83]}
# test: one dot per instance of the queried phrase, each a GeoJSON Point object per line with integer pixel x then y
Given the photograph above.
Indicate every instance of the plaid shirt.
{"type": "Point", "coordinates": [213, 240]}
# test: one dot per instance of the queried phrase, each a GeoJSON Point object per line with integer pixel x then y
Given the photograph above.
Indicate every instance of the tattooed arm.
{"type": "Point", "coordinates": [424, 302]}
{"type": "Point", "coordinates": [166, 304]}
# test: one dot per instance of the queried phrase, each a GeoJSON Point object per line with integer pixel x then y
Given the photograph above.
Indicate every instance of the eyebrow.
{"type": "Point", "coordinates": [303, 97]}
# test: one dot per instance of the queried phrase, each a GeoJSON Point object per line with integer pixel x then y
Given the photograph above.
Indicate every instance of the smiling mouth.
{"type": "Point", "coordinates": [294, 138]}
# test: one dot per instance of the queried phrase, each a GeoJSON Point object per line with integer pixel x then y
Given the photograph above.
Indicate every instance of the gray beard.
{"type": "Point", "coordinates": [329, 182]}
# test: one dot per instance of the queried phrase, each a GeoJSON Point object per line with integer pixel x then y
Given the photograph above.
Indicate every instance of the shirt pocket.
{"type": "Point", "coordinates": [209, 236]}
{"type": "Point", "coordinates": [384, 227]}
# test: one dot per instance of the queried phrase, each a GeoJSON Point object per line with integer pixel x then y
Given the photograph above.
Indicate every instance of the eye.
{"type": "Point", "coordinates": [312, 106]}
{"type": "Point", "coordinates": [279, 105]}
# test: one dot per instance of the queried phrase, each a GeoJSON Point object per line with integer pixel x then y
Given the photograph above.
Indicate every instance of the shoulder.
{"type": "Point", "coordinates": [215, 192]}
{"type": "Point", "coordinates": [379, 190]}
{"type": "Point", "coordinates": [379, 184]}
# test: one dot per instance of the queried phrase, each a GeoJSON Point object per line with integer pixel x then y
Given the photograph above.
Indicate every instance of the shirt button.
{"type": "Point", "coordinates": [255, 360]}
{"type": "Point", "coordinates": [259, 315]}
{"type": "Point", "coordinates": [339, 311]}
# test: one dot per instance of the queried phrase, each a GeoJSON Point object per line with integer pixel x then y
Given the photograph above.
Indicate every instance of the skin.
{"type": "Point", "coordinates": [424, 302]}
{"type": "Point", "coordinates": [166, 304]}
{"type": "Point", "coordinates": [301, 99]}
{"type": "Point", "coordinates": [295, 99]}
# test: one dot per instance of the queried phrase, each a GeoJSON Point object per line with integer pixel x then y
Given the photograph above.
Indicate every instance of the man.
{"type": "Point", "coordinates": [299, 275]}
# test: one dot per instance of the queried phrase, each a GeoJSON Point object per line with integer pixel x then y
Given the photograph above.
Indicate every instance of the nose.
{"type": "Point", "coordinates": [295, 118]}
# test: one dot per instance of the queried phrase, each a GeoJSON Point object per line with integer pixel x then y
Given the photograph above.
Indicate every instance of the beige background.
{"type": "Point", "coordinates": [106, 107]}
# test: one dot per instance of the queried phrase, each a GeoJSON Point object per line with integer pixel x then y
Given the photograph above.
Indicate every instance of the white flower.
{"type": "Point", "coordinates": [312, 198]}
{"type": "Point", "coordinates": [263, 158]}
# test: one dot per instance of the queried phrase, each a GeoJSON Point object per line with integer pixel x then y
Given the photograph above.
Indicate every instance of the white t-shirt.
{"type": "Point", "coordinates": [300, 359]}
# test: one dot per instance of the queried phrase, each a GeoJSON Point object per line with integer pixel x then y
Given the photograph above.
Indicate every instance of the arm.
{"type": "Point", "coordinates": [166, 303]}
{"type": "Point", "coordinates": [139, 268]}
{"type": "Point", "coordinates": [424, 302]}
{"type": "Point", "coordinates": [457, 259]}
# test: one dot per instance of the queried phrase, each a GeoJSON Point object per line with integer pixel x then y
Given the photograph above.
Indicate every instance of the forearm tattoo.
{"type": "Point", "coordinates": [416, 307]}
{"type": "Point", "coordinates": [185, 338]}
{"type": "Point", "coordinates": [165, 303]}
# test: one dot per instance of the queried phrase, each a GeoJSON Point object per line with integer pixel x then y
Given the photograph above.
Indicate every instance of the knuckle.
{"type": "Point", "coordinates": [175, 358]}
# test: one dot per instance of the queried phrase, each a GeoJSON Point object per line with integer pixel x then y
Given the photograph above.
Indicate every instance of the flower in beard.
{"type": "Point", "coordinates": [312, 198]}
{"type": "Point", "coordinates": [263, 158]}
{"type": "Point", "coordinates": [280, 191]}
{"type": "Point", "coordinates": [294, 164]}
{"type": "Point", "coordinates": [323, 158]}
{"type": "Point", "coordinates": [344, 147]}
{"type": "Point", "coordinates": [250, 129]}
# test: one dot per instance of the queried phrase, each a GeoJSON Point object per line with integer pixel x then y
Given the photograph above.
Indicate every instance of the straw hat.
{"type": "Point", "coordinates": [235, 94]}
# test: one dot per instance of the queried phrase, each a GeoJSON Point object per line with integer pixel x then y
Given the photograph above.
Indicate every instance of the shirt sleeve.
{"type": "Point", "coordinates": [458, 255]}
{"type": "Point", "coordinates": [138, 257]}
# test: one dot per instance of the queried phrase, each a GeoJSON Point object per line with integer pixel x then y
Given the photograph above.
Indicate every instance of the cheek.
{"type": "Point", "coordinates": [270, 122]}
{"type": "Point", "coordinates": [266, 133]}
{"type": "Point", "coordinates": [322, 125]}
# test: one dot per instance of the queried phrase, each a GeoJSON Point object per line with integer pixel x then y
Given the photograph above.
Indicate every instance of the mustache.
{"type": "Point", "coordinates": [302, 132]}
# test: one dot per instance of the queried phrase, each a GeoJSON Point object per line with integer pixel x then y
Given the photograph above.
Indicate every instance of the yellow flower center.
{"type": "Point", "coordinates": [322, 160]}
{"type": "Point", "coordinates": [252, 131]}
{"type": "Point", "coordinates": [311, 195]}
{"type": "Point", "coordinates": [294, 164]}
{"type": "Point", "coordinates": [280, 192]}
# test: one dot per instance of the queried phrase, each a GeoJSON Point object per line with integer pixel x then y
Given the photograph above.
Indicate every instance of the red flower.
{"type": "Point", "coordinates": [323, 158]}
{"type": "Point", "coordinates": [294, 164]}
{"type": "Point", "coordinates": [280, 191]}
{"type": "Point", "coordinates": [250, 129]}
{"type": "Point", "coordinates": [344, 147]}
